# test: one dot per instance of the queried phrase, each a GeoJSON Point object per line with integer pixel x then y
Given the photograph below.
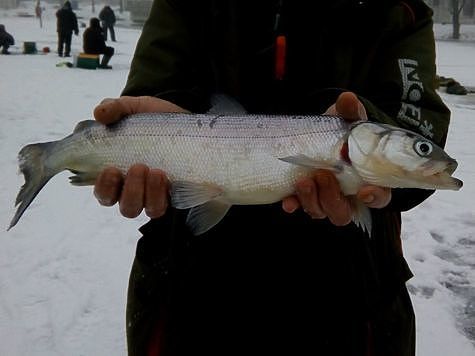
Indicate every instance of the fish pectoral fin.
{"type": "Point", "coordinates": [185, 195]}
{"type": "Point", "coordinates": [361, 215]}
{"type": "Point", "coordinates": [306, 161]}
{"type": "Point", "coordinates": [83, 178]}
{"type": "Point", "coordinates": [203, 217]}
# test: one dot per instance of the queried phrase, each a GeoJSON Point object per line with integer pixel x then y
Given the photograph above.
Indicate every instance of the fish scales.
{"type": "Point", "coordinates": [239, 153]}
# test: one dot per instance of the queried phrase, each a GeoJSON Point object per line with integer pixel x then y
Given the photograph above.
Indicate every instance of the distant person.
{"type": "Point", "coordinates": [39, 12]}
{"type": "Point", "coordinates": [6, 40]}
{"type": "Point", "coordinates": [93, 43]}
{"type": "Point", "coordinates": [107, 18]}
{"type": "Point", "coordinates": [67, 23]}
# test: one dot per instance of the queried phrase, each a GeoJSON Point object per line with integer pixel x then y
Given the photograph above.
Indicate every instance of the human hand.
{"type": "Point", "coordinates": [142, 187]}
{"type": "Point", "coordinates": [320, 195]}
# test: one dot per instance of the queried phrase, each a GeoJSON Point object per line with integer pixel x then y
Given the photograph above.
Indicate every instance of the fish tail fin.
{"type": "Point", "coordinates": [362, 216]}
{"type": "Point", "coordinates": [36, 174]}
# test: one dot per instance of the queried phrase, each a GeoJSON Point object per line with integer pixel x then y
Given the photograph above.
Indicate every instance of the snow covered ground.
{"type": "Point", "coordinates": [64, 268]}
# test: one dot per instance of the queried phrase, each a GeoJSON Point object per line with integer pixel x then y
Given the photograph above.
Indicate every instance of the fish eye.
{"type": "Point", "coordinates": [423, 148]}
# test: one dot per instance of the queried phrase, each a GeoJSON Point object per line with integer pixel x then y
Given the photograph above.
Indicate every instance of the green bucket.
{"type": "Point", "coordinates": [29, 48]}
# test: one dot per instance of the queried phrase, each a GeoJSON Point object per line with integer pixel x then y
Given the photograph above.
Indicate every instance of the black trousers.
{"type": "Point", "coordinates": [5, 47]}
{"type": "Point", "coordinates": [64, 42]}
{"type": "Point", "coordinates": [109, 51]}
{"type": "Point", "coordinates": [228, 292]}
{"type": "Point", "coordinates": [105, 28]}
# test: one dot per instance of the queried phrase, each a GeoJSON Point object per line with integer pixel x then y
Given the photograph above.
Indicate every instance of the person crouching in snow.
{"type": "Point", "coordinates": [93, 43]}
{"type": "Point", "coordinates": [6, 40]}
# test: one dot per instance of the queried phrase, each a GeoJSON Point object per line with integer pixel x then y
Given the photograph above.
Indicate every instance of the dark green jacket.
{"type": "Point", "coordinates": [264, 281]}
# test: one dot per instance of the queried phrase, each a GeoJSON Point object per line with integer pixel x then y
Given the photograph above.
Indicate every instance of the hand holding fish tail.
{"type": "Point", "coordinates": [141, 188]}
{"type": "Point", "coordinates": [320, 195]}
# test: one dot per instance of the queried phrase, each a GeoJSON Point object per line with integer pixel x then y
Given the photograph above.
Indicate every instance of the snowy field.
{"type": "Point", "coordinates": [64, 267]}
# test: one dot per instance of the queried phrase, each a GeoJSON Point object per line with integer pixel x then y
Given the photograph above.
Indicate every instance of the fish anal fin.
{"type": "Point", "coordinates": [361, 215]}
{"type": "Point", "coordinates": [203, 217]}
{"type": "Point", "coordinates": [308, 162]}
{"type": "Point", "coordinates": [83, 178]}
{"type": "Point", "coordinates": [186, 194]}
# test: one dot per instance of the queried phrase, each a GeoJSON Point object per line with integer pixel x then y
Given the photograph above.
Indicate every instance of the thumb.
{"type": "Point", "coordinates": [350, 107]}
{"type": "Point", "coordinates": [112, 110]}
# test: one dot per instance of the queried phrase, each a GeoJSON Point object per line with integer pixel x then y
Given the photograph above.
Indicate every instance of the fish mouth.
{"type": "Point", "coordinates": [439, 173]}
{"type": "Point", "coordinates": [435, 167]}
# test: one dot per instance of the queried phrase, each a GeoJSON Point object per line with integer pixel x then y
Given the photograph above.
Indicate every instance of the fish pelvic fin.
{"type": "Point", "coordinates": [361, 215]}
{"type": "Point", "coordinates": [186, 194]}
{"type": "Point", "coordinates": [36, 174]}
{"type": "Point", "coordinates": [203, 217]}
{"type": "Point", "coordinates": [207, 209]}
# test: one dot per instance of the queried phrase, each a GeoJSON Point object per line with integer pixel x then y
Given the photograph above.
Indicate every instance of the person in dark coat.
{"type": "Point", "coordinates": [6, 40]}
{"type": "Point", "coordinates": [294, 277]}
{"type": "Point", "coordinates": [93, 43]}
{"type": "Point", "coordinates": [108, 19]}
{"type": "Point", "coordinates": [66, 24]}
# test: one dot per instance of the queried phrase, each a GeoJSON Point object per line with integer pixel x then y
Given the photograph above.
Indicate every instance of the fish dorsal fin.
{"type": "Point", "coordinates": [186, 194]}
{"type": "Point", "coordinates": [82, 125]}
{"type": "Point", "coordinates": [224, 104]}
{"type": "Point", "coordinates": [202, 218]}
{"type": "Point", "coordinates": [305, 161]}
{"type": "Point", "coordinates": [361, 215]}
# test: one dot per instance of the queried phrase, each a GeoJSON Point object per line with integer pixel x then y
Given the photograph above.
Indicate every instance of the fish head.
{"type": "Point", "coordinates": [393, 157]}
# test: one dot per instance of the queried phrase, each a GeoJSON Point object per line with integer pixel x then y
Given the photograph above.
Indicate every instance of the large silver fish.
{"type": "Point", "coordinates": [216, 161]}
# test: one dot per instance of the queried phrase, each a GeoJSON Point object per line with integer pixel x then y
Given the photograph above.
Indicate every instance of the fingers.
{"type": "Point", "coordinates": [112, 110]}
{"type": "Point", "coordinates": [290, 204]}
{"type": "Point", "coordinates": [336, 206]}
{"type": "Point", "coordinates": [109, 111]}
{"type": "Point", "coordinates": [156, 193]}
{"type": "Point", "coordinates": [132, 199]}
{"type": "Point", "coordinates": [320, 197]}
{"type": "Point", "coordinates": [374, 197]}
{"type": "Point", "coordinates": [108, 186]}
{"type": "Point", "coordinates": [142, 188]}
{"type": "Point", "coordinates": [307, 193]}
{"type": "Point", "coordinates": [348, 106]}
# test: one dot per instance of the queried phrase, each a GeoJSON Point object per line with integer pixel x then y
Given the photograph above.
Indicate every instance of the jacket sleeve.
{"type": "Point", "coordinates": [402, 85]}
{"type": "Point", "coordinates": [166, 63]}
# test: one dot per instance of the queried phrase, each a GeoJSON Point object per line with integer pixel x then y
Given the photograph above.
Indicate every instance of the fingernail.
{"type": "Point", "coordinates": [104, 201]}
{"type": "Point", "coordinates": [106, 101]}
{"type": "Point", "coordinates": [291, 209]}
{"type": "Point", "coordinates": [368, 199]}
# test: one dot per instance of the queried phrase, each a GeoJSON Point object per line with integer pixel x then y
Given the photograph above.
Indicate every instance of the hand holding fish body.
{"type": "Point", "coordinates": [216, 161]}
